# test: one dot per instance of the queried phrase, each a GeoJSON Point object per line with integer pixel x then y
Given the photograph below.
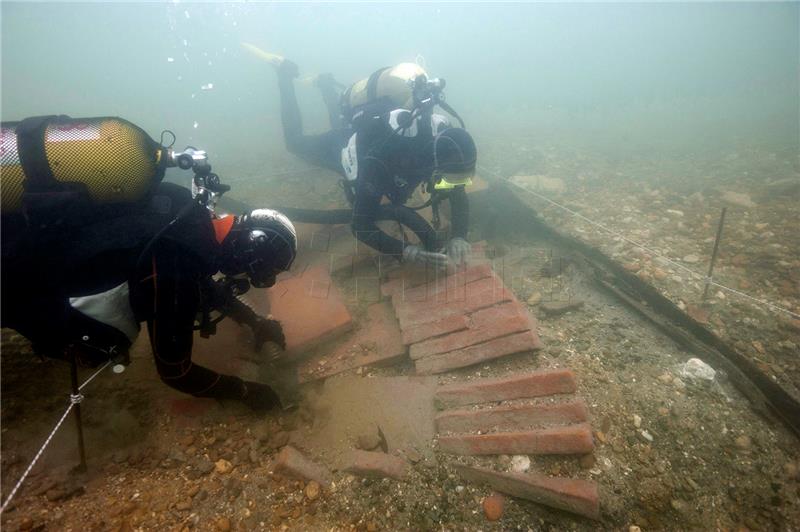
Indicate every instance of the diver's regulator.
{"type": "Point", "coordinates": [206, 185]}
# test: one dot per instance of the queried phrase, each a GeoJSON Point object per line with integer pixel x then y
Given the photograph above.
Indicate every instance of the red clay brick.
{"type": "Point", "coordinates": [495, 323]}
{"type": "Point", "coordinates": [537, 384]}
{"type": "Point", "coordinates": [572, 495]}
{"type": "Point", "coordinates": [424, 331]}
{"type": "Point", "coordinates": [469, 291]}
{"type": "Point", "coordinates": [310, 308]}
{"type": "Point", "coordinates": [516, 343]}
{"type": "Point", "coordinates": [511, 417]}
{"type": "Point", "coordinates": [376, 465]}
{"type": "Point", "coordinates": [376, 342]}
{"type": "Point", "coordinates": [475, 301]}
{"type": "Point", "coordinates": [292, 463]}
{"type": "Point", "coordinates": [449, 288]}
{"type": "Point", "coordinates": [570, 439]}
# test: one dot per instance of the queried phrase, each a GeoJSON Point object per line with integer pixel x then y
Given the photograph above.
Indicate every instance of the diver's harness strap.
{"type": "Point", "coordinates": [45, 199]}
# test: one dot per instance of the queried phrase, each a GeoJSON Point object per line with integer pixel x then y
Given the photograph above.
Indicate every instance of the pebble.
{"type": "Point", "coordinates": [368, 441]}
{"type": "Point", "coordinates": [691, 259]}
{"type": "Point", "coordinates": [637, 421]}
{"type": "Point", "coordinates": [678, 383]}
{"type": "Point", "coordinates": [223, 524]}
{"type": "Point", "coordinates": [534, 299]}
{"type": "Point", "coordinates": [192, 491]}
{"type": "Point", "coordinates": [790, 469]}
{"type": "Point", "coordinates": [184, 505]}
{"type": "Point", "coordinates": [493, 507]}
{"type": "Point", "coordinates": [459, 489]}
{"type": "Point", "coordinates": [312, 490]}
{"type": "Point", "coordinates": [659, 274]}
{"type": "Point", "coordinates": [743, 442]}
{"type": "Point", "coordinates": [646, 435]}
{"type": "Point", "coordinates": [634, 528]}
{"type": "Point", "coordinates": [222, 466]}
{"type": "Point", "coordinates": [679, 505]}
{"type": "Point", "coordinates": [520, 463]}
{"type": "Point", "coordinates": [666, 378]}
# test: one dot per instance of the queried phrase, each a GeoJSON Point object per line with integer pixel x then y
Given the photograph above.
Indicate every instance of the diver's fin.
{"type": "Point", "coordinates": [269, 57]}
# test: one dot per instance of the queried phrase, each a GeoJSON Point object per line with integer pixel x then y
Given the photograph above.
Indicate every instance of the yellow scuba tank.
{"type": "Point", "coordinates": [393, 86]}
{"type": "Point", "coordinates": [108, 159]}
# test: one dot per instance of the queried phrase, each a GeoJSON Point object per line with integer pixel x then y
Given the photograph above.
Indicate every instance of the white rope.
{"type": "Point", "coordinates": [95, 374]}
{"type": "Point", "coordinates": [36, 458]}
{"type": "Point", "coordinates": [74, 399]}
{"type": "Point", "coordinates": [668, 260]}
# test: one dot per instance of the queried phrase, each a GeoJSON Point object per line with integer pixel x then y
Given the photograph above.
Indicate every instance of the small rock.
{"type": "Point", "coordinates": [223, 524]}
{"type": "Point", "coordinates": [632, 266]}
{"type": "Point", "coordinates": [691, 259]}
{"type": "Point", "coordinates": [493, 506]}
{"type": "Point", "coordinates": [676, 213]}
{"type": "Point", "coordinates": [459, 489]}
{"type": "Point", "coordinates": [279, 439]}
{"type": "Point", "coordinates": [204, 467]}
{"type": "Point", "coordinates": [659, 274]}
{"type": "Point", "coordinates": [646, 435]}
{"type": "Point", "coordinates": [743, 442]}
{"type": "Point", "coordinates": [312, 490]}
{"type": "Point", "coordinates": [637, 421]}
{"type": "Point", "coordinates": [534, 299]}
{"type": "Point", "coordinates": [679, 505]}
{"type": "Point", "coordinates": [663, 411]}
{"type": "Point", "coordinates": [790, 469]}
{"type": "Point", "coordinates": [558, 308]}
{"type": "Point", "coordinates": [368, 441]}
{"type": "Point", "coordinates": [634, 528]}
{"type": "Point", "coordinates": [372, 526]}
{"type": "Point", "coordinates": [193, 490]}
{"type": "Point", "coordinates": [666, 378]}
{"type": "Point", "coordinates": [184, 505]}
{"type": "Point", "coordinates": [678, 383]}
{"type": "Point", "coordinates": [222, 466]}
{"type": "Point", "coordinates": [412, 455]}
{"type": "Point", "coordinates": [520, 463]}
{"type": "Point", "coordinates": [696, 369]}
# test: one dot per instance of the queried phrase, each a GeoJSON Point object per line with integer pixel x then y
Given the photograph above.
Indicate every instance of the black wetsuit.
{"type": "Point", "coordinates": [168, 288]}
{"type": "Point", "coordinates": [389, 165]}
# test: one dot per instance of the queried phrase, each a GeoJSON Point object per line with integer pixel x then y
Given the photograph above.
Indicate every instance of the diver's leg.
{"type": "Point", "coordinates": [325, 149]}
{"type": "Point", "coordinates": [331, 95]}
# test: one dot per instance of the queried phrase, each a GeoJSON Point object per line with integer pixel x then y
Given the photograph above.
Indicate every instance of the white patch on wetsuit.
{"type": "Point", "coordinates": [112, 307]}
{"type": "Point", "coordinates": [350, 159]}
{"type": "Point", "coordinates": [350, 154]}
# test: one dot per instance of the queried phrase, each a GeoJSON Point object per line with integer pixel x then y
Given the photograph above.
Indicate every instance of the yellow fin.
{"type": "Point", "coordinates": [271, 58]}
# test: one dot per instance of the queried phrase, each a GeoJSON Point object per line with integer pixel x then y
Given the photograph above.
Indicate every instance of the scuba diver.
{"type": "Point", "coordinates": [93, 244]}
{"type": "Point", "coordinates": [385, 142]}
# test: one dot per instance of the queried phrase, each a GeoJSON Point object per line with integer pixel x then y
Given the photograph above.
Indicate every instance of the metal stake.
{"type": "Point", "coordinates": [77, 408]}
{"type": "Point", "coordinates": [714, 253]}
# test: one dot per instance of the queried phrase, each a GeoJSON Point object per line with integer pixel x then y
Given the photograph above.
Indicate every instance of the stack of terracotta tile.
{"type": "Point", "coordinates": [460, 320]}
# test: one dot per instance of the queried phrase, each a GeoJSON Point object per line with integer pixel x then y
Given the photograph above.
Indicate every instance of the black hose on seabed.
{"type": "Point", "coordinates": [399, 213]}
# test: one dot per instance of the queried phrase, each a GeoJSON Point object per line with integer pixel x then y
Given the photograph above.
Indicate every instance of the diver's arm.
{"type": "Point", "coordinates": [176, 300]}
{"type": "Point", "coordinates": [459, 211]}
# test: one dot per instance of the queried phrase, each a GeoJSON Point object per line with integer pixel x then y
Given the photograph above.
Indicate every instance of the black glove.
{"type": "Point", "coordinates": [259, 397]}
{"type": "Point", "coordinates": [268, 331]}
